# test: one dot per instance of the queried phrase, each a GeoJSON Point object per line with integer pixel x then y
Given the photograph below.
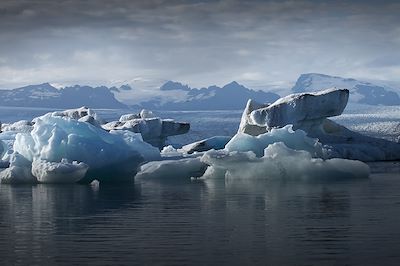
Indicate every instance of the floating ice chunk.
{"type": "Point", "coordinates": [296, 140]}
{"type": "Point", "coordinates": [145, 114]}
{"type": "Point", "coordinates": [91, 120]}
{"type": "Point", "coordinates": [82, 114]}
{"type": "Point", "coordinates": [296, 108]}
{"type": "Point", "coordinates": [173, 169]}
{"type": "Point", "coordinates": [61, 172]}
{"type": "Point", "coordinates": [170, 151]}
{"type": "Point", "coordinates": [19, 171]}
{"type": "Point", "coordinates": [216, 143]}
{"type": "Point", "coordinates": [154, 130]}
{"type": "Point", "coordinates": [76, 113]}
{"type": "Point", "coordinates": [279, 162]}
{"type": "Point", "coordinates": [111, 156]}
{"type": "Point", "coordinates": [128, 117]}
{"type": "Point", "coordinates": [20, 126]}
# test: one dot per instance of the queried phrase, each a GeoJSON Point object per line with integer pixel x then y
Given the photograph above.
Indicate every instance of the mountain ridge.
{"type": "Point", "coordinates": [360, 91]}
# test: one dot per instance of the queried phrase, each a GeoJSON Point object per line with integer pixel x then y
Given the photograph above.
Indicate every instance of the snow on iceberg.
{"type": "Point", "coordinates": [110, 156]}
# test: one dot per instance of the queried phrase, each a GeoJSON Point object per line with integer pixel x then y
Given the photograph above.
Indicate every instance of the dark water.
{"type": "Point", "coordinates": [354, 222]}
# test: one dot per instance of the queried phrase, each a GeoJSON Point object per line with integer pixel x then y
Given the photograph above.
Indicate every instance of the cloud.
{"type": "Point", "coordinates": [198, 42]}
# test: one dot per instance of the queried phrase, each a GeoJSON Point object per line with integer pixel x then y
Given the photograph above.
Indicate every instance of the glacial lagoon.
{"type": "Point", "coordinates": [199, 222]}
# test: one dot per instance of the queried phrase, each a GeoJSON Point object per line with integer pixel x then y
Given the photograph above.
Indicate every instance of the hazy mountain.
{"type": "Point", "coordinates": [177, 96]}
{"type": "Point", "coordinates": [45, 95]}
{"type": "Point", "coordinates": [230, 97]}
{"type": "Point", "coordinates": [360, 91]}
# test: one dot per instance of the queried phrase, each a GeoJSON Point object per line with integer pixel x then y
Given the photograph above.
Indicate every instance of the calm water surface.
{"type": "Point", "coordinates": [354, 222]}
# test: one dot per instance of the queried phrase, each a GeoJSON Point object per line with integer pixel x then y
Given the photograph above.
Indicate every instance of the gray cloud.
{"type": "Point", "coordinates": [260, 43]}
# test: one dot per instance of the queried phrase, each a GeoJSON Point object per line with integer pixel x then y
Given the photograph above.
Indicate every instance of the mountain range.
{"type": "Point", "coordinates": [232, 96]}
{"type": "Point", "coordinates": [46, 95]}
{"type": "Point", "coordinates": [360, 91]}
{"type": "Point", "coordinates": [177, 96]}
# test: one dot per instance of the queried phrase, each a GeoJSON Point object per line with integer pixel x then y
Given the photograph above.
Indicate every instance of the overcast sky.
{"type": "Point", "coordinates": [259, 43]}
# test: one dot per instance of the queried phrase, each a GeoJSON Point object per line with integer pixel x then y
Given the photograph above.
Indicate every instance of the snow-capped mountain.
{"type": "Point", "coordinates": [230, 97]}
{"type": "Point", "coordinates": [360, 91]}
{"type": "Point", "coordinates": [45, 95]}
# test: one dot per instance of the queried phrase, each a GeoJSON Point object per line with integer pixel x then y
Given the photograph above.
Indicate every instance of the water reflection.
{"type": "Point", "coordinates": [202, 222]}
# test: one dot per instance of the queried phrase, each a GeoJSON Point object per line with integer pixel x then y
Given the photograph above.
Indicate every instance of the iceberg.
{"type": "Point", "coordinates": [216, 143]}
{"type": "Point", "coordinates": [185, 168]}
{"type": "Point", "coordinates": [19, 126]}
{"type": "Point", "coordinates": [309, 112]}
{"type": "Point", "coordinates": [154, 130]}
{"type": "Point", "coordinates": [56, 140]}
{"type": "Point", "coordinates": [280, 163]}
{"type": "Point", "coordinates": [296, 140]}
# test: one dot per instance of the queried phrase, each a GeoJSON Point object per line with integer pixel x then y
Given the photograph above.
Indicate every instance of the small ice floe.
{"type": "Point", "coordinates": [216, 143]}
{"type": "Point", "coordinates": [185, 168]}
{"type": "Point", "coordinates": [286, 155]}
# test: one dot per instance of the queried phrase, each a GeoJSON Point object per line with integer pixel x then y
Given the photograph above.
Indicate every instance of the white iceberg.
{"type": "Point", "coordinates": [111, 156]}
{"type": "Point", "coordinates": [309, 112]}
{"type": "Point", "coordinates": [154, 130]}
{"type": "Point", "coordinates": [296, 140]}
{"type": "Point", "coordinates": [281, 163]}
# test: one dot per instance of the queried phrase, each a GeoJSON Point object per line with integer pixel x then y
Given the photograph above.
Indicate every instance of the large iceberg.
{"type": "Point", "coordinates": [309, 112]}
{"type": "Point", "coordinates": [55, 141]}
{"type": "Point", "coordinates": [153, 129]}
